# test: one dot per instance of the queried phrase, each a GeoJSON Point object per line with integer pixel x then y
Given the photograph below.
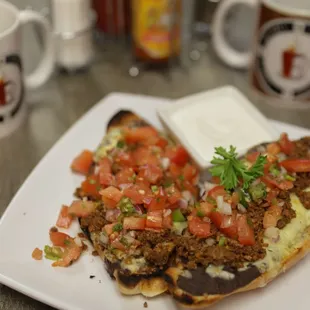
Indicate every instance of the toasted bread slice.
{"type": "Point", "coordinates": [198, 289]}
{"type": "Point", "coordinates": [130, 283]}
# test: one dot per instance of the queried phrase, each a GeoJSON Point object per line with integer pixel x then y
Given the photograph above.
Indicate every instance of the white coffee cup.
{"type": "Point", "coordinates": [13, 82]}
{"type": "Point", "coordinates": [279, 59]}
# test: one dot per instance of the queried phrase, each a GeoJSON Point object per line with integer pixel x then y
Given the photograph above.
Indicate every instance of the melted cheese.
{"type": "Point", "coordinates": [291, 239]}
{"type": "Point", "coordinates": [108, 143]}
{"type": "Point", "coordinates": [135, 264]}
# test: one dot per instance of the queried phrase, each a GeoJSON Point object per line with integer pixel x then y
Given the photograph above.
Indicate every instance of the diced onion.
{"type": "Point", "coordinates": [261, 149]}
{"type": "Point", "coordinates": [182, 203]}
{"type": "Point", "coordinates": [208, 186]}
{"type": "Point", "coordinates": [241, 208]}
{"type": "Point", "coordinates": [78, 241]}
{"type": "Point", "coordinates": [283, 170]}
{"type": "Point", "coordinates": [281, 203]}
{"type": "Point", "coordinates": [165, 162]}
{"type": "Point", "coordinates": [187, 274]}
{"type": "Point", "coordinates": [210, 241]}
{"type": "Point", "coordinates": [281, 156]}
{"type": "Point", "coordinates": [104, 239]}
{"type": "Point", "coordinates": [187, 195]}
{"type": "Point", "coordinates": [138, 209]}
{"type": "Point", "coordinates": [124, 186]}
{"type": "Point", "coordinates": [223, 206]}
{"type": "Point", "coordinates": [273, 234]}
{"type": "Point", "coordinates": [112, 215]}
{"type": "Point", "coordinates": [206, 219]}
{"type": "Point", "coordinates": [129, 238]}
{"type": "Point", "coordinates": [167, 212]}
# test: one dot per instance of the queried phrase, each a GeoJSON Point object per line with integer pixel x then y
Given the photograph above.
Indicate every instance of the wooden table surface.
{"type": "Point", "coordinates": [57, 105]}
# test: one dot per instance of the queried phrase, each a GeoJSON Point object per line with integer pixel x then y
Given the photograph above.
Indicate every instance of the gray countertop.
{"type": "Point", "coordinates": [57, 105]}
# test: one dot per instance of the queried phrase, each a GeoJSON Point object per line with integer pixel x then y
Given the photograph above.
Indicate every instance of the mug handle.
{"type": "Point", "coordinates": [46, 67]}
{"type": "Point", "coordinates": [230, 56]}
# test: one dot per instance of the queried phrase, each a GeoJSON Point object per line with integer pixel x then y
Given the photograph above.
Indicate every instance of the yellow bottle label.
{"type": "Point", "coordinates": [156, 27]}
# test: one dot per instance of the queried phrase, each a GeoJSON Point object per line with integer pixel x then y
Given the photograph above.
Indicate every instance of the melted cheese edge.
{"type": "Point", "coordinates": [292, 238]}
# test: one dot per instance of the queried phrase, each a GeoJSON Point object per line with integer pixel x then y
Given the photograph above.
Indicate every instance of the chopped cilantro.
{"type": "Point", "coordinates": [117, 227]}
{"type": "Point", "coordinates": [92, 181]}
{"type": "Point", "coordinates": [222, 241]}
{"type": "Point", "coordinates": [124, 241]}
{"type": "Point", "coordinates": [67, 242]}
{"type": "Point", "coordinates": [289, 178]}
{"type": "Point", "coordinates": [181, 177]}
{"type": "Point", "coordinates": [230, 169]}
{"type": "Point", "coordinates": [167, 183]}
{"type": "Point", "coordinates": [211, 200]}
{"type": "Point", "coordinates": [132, 178]}
{"type": "Point", "coordinates": [197, 204]}
{"type": "Point", "coordinates": [200, 213]}
{"type": "Point", "coordinates": [53, 253]}
{"type": "Point", "coordinates": [154, 188]}
{"type": "Point", "coordinates": [126, 206]}
{"type": "Point", "coordinates": [120, 144]}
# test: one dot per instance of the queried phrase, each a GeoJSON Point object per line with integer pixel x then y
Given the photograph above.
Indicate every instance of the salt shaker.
{"type": "Point", "coordinates": [73, 23]}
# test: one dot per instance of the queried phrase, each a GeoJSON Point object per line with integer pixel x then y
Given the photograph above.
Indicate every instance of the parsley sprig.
{"type": "Point", "coordinates": [230, 169]}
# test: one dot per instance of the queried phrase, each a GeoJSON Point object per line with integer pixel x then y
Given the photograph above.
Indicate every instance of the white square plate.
{"type": "Point", "coordinates": [34, 210]}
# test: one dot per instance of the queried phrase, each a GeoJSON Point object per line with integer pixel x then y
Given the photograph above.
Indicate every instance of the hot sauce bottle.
{"type": "Point", "coordinates": [156, 30]}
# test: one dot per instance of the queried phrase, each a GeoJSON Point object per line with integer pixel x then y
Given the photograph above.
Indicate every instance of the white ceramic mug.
{"type": "Point", "coordinates": [13, 82]}
{"type": "Point", "coordinates": [280, 58]}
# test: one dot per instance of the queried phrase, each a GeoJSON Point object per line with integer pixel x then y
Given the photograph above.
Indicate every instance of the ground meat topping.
{"type": "Point", "coordinates": [302, 148]}
{"type": "Point", "coordinates": [95, 221]}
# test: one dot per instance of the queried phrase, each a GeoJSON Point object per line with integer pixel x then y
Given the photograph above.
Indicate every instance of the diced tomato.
{"type": "Point", "coordinates": [175, 170]}
{"type": "Point", "coordinates": [82, 163]}
{"type": "Point", "coordinates": [64, 218]}
{"type": "Point", "coordinates": [109, 228]}
{"type": "Point", "coordinates": [190, 172]}
{"type": "Point", "coordinates": [134, 223]}
{"type": "Point", "coordinates": [272, 195]}
{"type": "Point", "coordinates": [151, 173]}
{"type": "Point", "coordinates": [140, 134]}
{"type": "Point", "coordinates": [227, 224]}
{"type": "Point", "coordinates": [186, 185]}
{"type": "Point", "coordinates": [283, 184]}
{"type": "Point", "coordinates": [138, 192]}
{"type": "Point", "coordinates": [116, 244]}
{"type": "Point", "coordinates": [167, 220]}
{"type": "Point", "coordinates": [173, 194]}
{"type": "Point", "coordinates": [81, 208]}
{"type": "Point", "coordinates": [286, 145]}
{"type": "Point", "coordinates": [245, 232]}
{"type": "Point", "coordinates": [144, 155]}
{"type": "Point", "coordinates": [216, 180]}
{"type": "Point", "coordinates": [217, 191]}
{"type": "Point", "coordinates": [296, 165]}
{"type": "Point", "coordinates": [125, 176]}
{"type": "Point", "coordinates": [37, 254]}
{"type": "Point", "coordinates": [106, 179]}
{"type": "Point", "coordinates": [252, 157]}
{"type": "Point", "coordinates": [105, 165]}
{"type": "Point", "coordinates": [111, 196]}
{"type": "Point", "coordinates": [158, 202]}
{"type": "Point", "coordinates": [271, 216]}
{"type": "Point", "coordinates": [198, 227]}
{"type": "Point", "coordinates": [180, 156]}
{"type": "Point", "coordinates": [273, 148]}
{"type": "Point", "coordinates": [124, 159]}
{"type": "Point", "coordinates": [91, 187]}
{"type": "Point", "coordinates": [154, 219]}
{"type": "Point", "coordinates": [235, 198]}
{"type": "Point", "coordinates": [70, 255]}
{"type": "Point", "coordinates": [161, 142]}
{"type": "Point", "coordinates": [60, 239]}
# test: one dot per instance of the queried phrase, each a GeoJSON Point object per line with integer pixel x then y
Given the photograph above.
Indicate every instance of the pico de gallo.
{"type": "Point", "coordinates": [140, 198]}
